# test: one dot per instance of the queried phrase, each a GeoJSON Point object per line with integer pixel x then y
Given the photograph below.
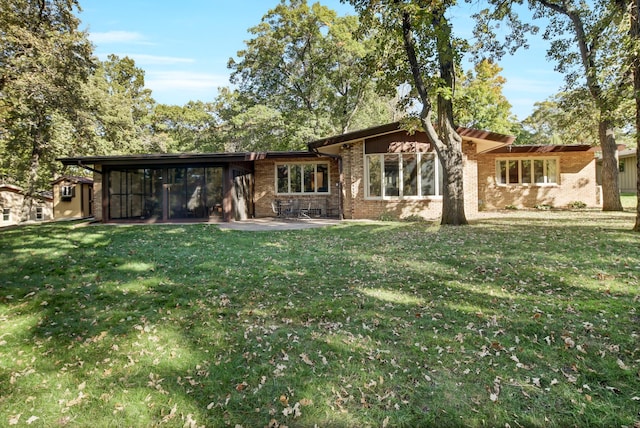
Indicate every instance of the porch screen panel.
{"type": "Point", "coordinates": [153, 193]}
{"type": "Point", "coordinates": [177, 193]}
{"type": "Point", "coordinates": [116, 186]}
{"type": "Point", "coordinates": [214, 192]}
{"type": "Point", "coordinates": [195, 193]}
{"type": "Point", "coordinates": [135, 194]}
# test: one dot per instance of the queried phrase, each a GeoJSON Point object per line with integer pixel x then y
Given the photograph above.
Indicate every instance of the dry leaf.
{"type": "Point", "coordinates": [306, 359]}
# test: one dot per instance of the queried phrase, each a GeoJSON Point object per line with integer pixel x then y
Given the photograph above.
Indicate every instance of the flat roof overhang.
{"type": "Point", "coordinates": [158, 159]}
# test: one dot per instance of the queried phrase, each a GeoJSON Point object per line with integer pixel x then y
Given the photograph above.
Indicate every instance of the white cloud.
{"type": "Point", "coordinates": [146, 59]}
{"type": "Point", "coordinates": [172, 80]}
{"type": "Point", "coordinates": [159, 60]}
{"type": "Point", "coordinates": [179, 87]}
{"type": "Point", "coordinates": [118, 37]}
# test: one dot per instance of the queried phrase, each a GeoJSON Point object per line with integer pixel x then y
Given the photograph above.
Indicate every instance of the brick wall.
{"type": "Point", "coordinates": [577, 183]}
{"type": "Point", "coordinates": [359, 207]}
{"type": "Point", "coordinates": [265, 187]}
{"type": "Point", "coordinates": [470, 173]}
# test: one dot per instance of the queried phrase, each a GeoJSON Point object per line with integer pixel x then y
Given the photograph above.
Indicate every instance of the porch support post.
{"type": "Point", "coordinates": [227, 197]}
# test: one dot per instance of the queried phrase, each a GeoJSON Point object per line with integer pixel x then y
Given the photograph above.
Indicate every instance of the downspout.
{"type": "Point", "coordinates": [340, 179]}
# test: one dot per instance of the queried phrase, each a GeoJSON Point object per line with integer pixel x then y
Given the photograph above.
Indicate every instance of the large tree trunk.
{"type": "Point", "coordinates": [635, 38]}
{"type": "Point", "coordinates": [32, 180]}
{"type": "Point", "coordinates": [610, 184]}
{"type": "Point", "coordinates": [447, 142]}
{"type": "Point", "coordinates": [453, 193]}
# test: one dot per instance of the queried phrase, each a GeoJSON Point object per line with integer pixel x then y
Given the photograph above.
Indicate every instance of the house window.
{"type": "Point", "coordinates": [6, 214]}
{"type": "Point", "coordinates": [403, 175]}
{"type": "Point", "coordinates": [302, 178]}
{"type": "Point", "coordinates": [527, 171]}
{"type": "Point", "coordinates": [67, 192]}
{"type": "Point", "coordinates": [39, 214]}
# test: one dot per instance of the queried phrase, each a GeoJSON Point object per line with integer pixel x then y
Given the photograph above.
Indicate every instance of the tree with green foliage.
{"type": "Point", "coordinates": [585, 44]}
{"type": "Point", "coordinates": [416, 44]}
{"type": "Point", "coordinates": [572, 118]}
{"type": "Point", "coordinates": [304, 63]}
{"type": "Point", "coordinates": [44, 63]}
{"type": "Point", "coordinates": [121, 107]}
{"type": "Point", "coordinates": [479, 102]}
{"type": "Point", "coordinates": [189, 128]}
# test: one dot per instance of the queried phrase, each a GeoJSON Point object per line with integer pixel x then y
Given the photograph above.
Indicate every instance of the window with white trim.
{"type": "Point", "coordinates": [39, 213]}
{"type": "Point", "coordinates": [67, 192]}
{"type": "Point", "coordinates": [527, 171]}
{"type": "Point", "coordinates": [302, 178]}
{"type": "Point", "coordinates": [6, 214]}
{"type": "Point", "coordinates": [403, 175]}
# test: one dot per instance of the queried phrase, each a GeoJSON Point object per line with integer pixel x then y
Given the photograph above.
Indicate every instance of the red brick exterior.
{"type": "Point", "coordinates": [577, 183]}
{"type": "Point", "coordinates": [265, 187]}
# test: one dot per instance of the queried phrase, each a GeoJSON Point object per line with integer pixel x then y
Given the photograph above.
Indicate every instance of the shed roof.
{"type": "Point", "coordinates": [72, 179]}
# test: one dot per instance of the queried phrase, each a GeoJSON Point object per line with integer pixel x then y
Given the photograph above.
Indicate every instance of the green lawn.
{"type": "Point", "coordinates": [629, 201]}
{"type": "Point", "coordinates": [527, 319]}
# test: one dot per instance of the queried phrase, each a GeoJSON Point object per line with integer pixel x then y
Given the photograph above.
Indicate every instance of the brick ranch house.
{"type": "Point", "coordinates": [359, 175]}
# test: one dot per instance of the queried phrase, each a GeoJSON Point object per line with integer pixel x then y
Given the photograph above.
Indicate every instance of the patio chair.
{"type": "Point", "coordinates": [304, 212]}
{"type": "Point", "coordinates": [275, 207]}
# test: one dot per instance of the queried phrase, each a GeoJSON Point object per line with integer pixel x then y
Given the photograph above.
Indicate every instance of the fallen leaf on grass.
{"type": "Point", "coordinates": [306, 359]}
{"type": "Point", "coordinates": [295, 410]}
{"type": "Point", "coordinates": [13, 420]}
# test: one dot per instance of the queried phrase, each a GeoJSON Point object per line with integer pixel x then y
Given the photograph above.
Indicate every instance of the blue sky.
{"type": "Point", "coordinates": [184, 47]}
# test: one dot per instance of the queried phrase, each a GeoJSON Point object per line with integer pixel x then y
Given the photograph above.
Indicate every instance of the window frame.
{"type": "Point", "coordinates": [531, 173]}
{"type": "Point", "coordinates": [6, 214]}
{"type": "Point", "coordinates": [303, 168]}
{"type": "Point", "coordinates": [420, 158]}
{"type": "Point", "coordinates": [67, 191]}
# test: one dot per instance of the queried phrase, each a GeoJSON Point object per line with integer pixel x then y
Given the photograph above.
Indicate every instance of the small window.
{"type": "Point", "coordinates": [621, 166]}
{"type": "Point", "coordinates": [39, 213]}
{"type": "Point", "coordinates": [67, 192]}
{"type": "Point", "coordinates": [6, 214]}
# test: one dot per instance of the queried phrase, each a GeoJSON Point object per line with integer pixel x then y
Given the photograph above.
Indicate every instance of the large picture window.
{"type": "Point", "coordinates": [527, 171]}
{"type": "Point", "coordinates": [302, 178]}
{"type": "Point", "coordinates": [403, 175]}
